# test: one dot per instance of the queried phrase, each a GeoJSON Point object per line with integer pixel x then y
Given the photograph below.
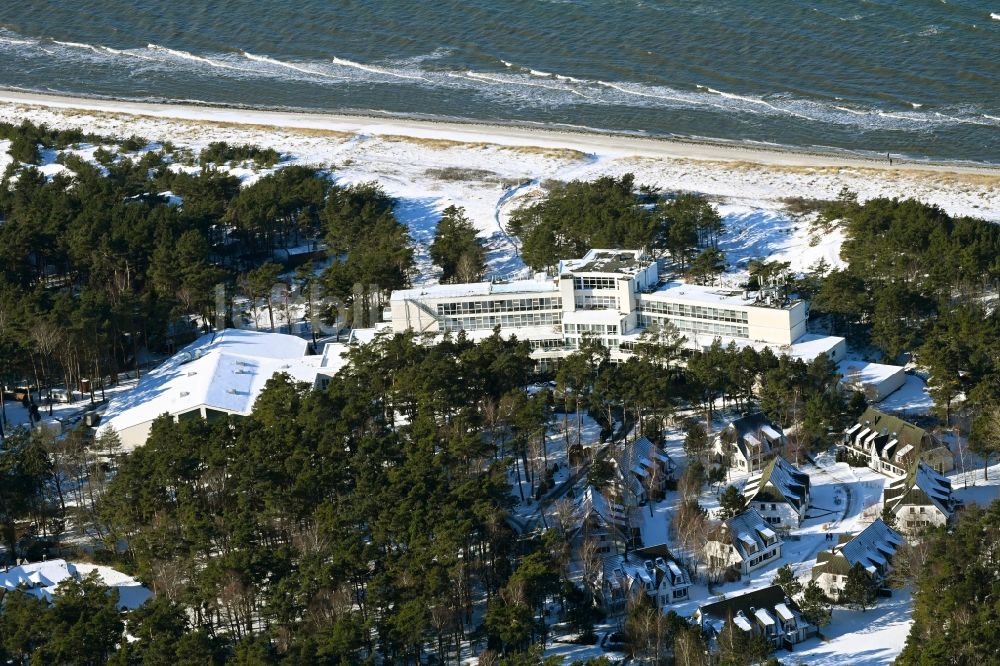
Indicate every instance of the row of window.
{"type": "Point", "coordinates": [504, 305]}
{"type": "Point", "coordinates": [697, 327]}
{"type": "Point", "coordinates": [598, 329]}
{"type": "Point", "coordinates": [766, 556]}
{"type": "Point", "coordinates": [504, 321]}
{"type": "Point", "coordinates": [553, 343]}
{"type": "Point", "coordinates": [694, 311]}
{"type": "Point", "coordinates": [594, 283]}
{"type": "Point", "coordinates": [591, 302]}
{"type": "Point", "coordinates": [574, 343]}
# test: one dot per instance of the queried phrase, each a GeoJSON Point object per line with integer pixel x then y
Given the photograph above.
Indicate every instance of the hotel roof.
{"type": "Point", "coordinates": [514, 287]}
{"type": "Point", "coordinates": [621, 262]}
{"type": "Point", "coordinates": [699, 295]}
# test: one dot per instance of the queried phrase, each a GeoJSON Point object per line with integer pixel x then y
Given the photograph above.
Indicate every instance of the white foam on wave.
{"type": "Point", "coordinates": [78, 45]}
{"type": "Point", "coordinates": [289, 65]}
{"type": "Point", "coordinates": [4, 39]}
{"type": "Point", "coordinates": [376, 70]}
{"type": "Point", "coordinates": [184, 55]}
{"type": "Point", "coordinates": [542, 74]}
{"type": "Point", "coordinates": [754, 100]}
{"type": "Point", "coordinates": [639, 93]}
{"type": "Point", "coordinates": [995, 16]}
{"type": "Point", "coordinates": [519, 82]}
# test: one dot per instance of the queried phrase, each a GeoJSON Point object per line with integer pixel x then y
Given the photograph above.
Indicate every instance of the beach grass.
{"type": "Point", "coordinates": [449, 144]}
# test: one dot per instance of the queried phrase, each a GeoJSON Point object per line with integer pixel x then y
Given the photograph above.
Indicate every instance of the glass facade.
{"type": "Point", "coordinates": [596, 329]}
{"type": "Point", "coordinates": [693, 311]}
{"type": "Point", "coordinates": [503, 321]}
{"type": "Point", "coordinates": [590, 302]}
{"type": "Point", "coordinates": [697, 327]}
{"type": "Point", "coordinates": [500, 305]}
{"type": "Point", "coordinates": [582, 283]}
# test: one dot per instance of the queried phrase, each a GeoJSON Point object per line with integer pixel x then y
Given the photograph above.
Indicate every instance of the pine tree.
{"type": "Point", "coordinates": [457, 249]}
{"type": "Point", "coordinates": [731, 503]}
{"type": "Point", "coordinates": [859, 590]}
{"type": "Point", "coordinates": [787, 580]}
{"type": "Point", "coordinates": [815, 606]}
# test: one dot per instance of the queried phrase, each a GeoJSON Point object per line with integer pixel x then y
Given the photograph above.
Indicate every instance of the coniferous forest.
{"type": "Point", "coordinates": [370, 522]}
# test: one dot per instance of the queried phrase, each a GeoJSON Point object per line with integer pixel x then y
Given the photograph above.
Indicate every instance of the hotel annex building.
{"type": "Point", "coordinates": [613, 296]}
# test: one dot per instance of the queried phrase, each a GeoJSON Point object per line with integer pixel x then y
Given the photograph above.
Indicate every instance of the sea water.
{"type": "Point", "coordinates": [919, 78]}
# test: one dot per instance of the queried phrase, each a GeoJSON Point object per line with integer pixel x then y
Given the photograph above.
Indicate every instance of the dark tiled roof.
{"type": "Point", "coordinates": [873, 546]}
{"type": "Point", "coordinates": [767, 597]}
{"type": "Point", "coordinates": [780, 481]}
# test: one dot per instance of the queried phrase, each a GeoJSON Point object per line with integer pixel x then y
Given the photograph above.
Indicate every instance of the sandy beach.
{"type": "Point", "coordinates": [507, 135]}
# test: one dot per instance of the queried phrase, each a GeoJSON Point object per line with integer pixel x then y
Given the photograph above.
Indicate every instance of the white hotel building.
{"type": "Point", "coordinates": [611, 295]}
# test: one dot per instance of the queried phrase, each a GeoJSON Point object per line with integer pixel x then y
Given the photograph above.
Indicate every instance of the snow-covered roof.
{"type": "Point", "coordinates": [741, 607]}
{"type": "Point", "coordinates": [784, 612]}
{"type": "Point", "coordinates": [872, 547]}
{"type": "Point", "coordinates": [650, 564]}
{"type": "Point", "coordinates": [637, 457]}
{"type": "Point", "coordinates": [811, 345]}
{"type": "Point", "coordinates": [618, 262]}
{"type": "Point", "coordinates": [466, 290]}
{"type": "Point", "coordinates": [42, 579]}
{"type": "Point", "coordinates": [702, 295]}
{"type": "Point", "coordinates": [225, 371]}
{"type": "Point", "coordinates": [334, 357]}
{"type": "Point", "coordinates": [922, 486]}
{"type": "Point", "coordinates": [764, 617]}
{"type": "Point", "coordinates": [770, 431]}
{"type": "Point", "coordinates": [872, 374]}
{"type": "Point", "coordinates": [749, 532]}
{"type": "Point", "coordinates": [778, 481]}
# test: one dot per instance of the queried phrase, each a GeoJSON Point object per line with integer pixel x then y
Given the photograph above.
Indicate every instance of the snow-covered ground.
{"type": "Point", "coordinates": [772, 235]}
{"type": "Point", "coordinates": [911, 398]}
{"type": "Point", "coordinates": [844, 500]}
{"type": "Point", "coordinates": [555, 455]}
{"type": "Point", "coordinates": [17, 414]}
{"type": "Point", "coordinates": [860, 638]}
{"type": "Point", "coordinates": [490, 171]}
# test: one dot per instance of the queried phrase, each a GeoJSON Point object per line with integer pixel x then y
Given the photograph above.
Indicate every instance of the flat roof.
{"type": "Point", "coordinates": [868, 373]}
{"type": "Point", "coordinates": [697, 294]}
{"type": "Point", "coordinates": [593, 317]}
{"type": "Point", "coordinates": [527, 287]}
{"type": "Point", "coordinates": [811, 345]}
{"type": "Point", "coordinates": [620, 262]}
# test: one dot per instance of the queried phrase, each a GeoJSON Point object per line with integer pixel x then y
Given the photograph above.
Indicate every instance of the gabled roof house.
{"type": "Point", "coordinates": [779, 493]}
{"type": "Point", "coordinates": [652, 571]}
{"type": "Point", "coordinates": [744, 542]}
{"type": "Point", "coordinates": [921, 499]}
{"type": "Point", "coordinates": [642, 469]}
{"type": "Point", "coordinates": [598, 518]}
{"type": "Point", "coordinates": [873, 548]}
{"type": "Point", "coordinates": [749, 442]}
{"type": "Point", "coordinates": [892, 446]}
{"type": "Point", "coordinates": [765, 612]}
